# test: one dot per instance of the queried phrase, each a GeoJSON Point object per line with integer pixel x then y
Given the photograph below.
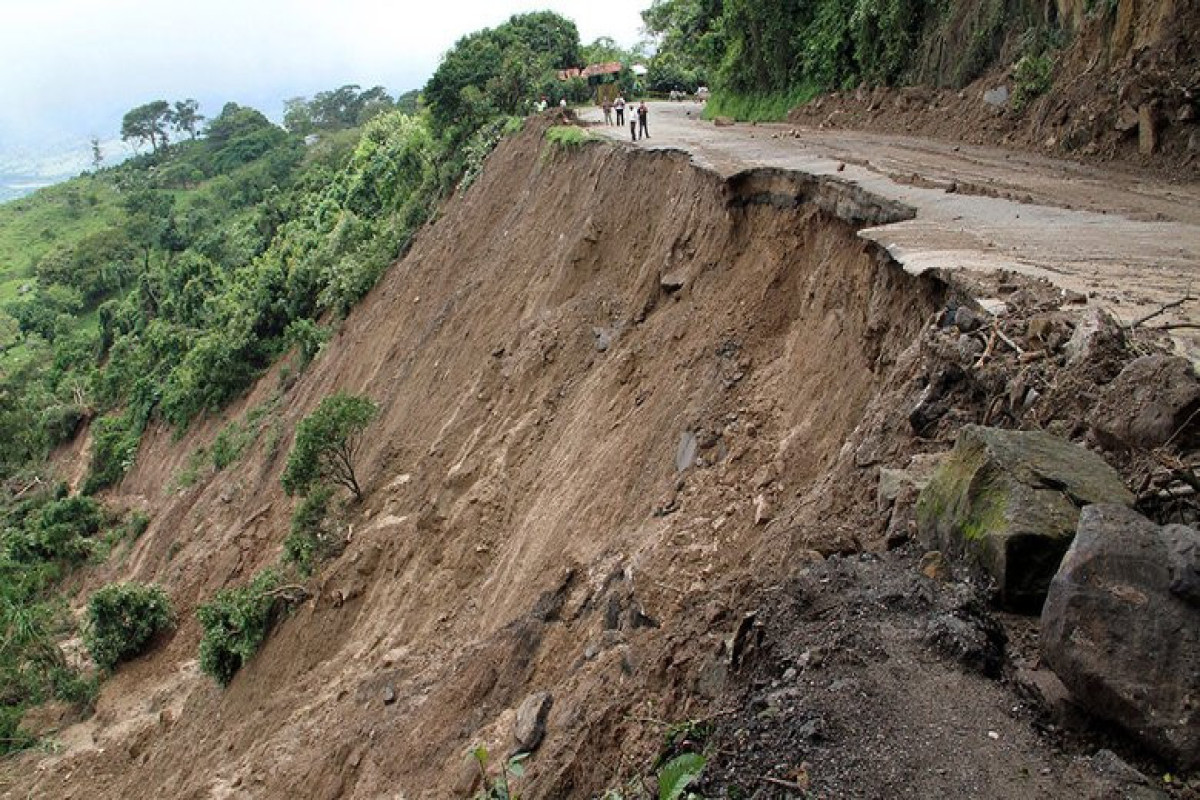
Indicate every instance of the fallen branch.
{"type": "Point", "coordinates": [1182, 427]}
{"type": "Point", "coordinates": [1173, 326]}
{"type": "Point", "coordinates": [293, 593]}
{"type": "Point", "coordinates": [1161, 310]}
{"type": "Point", "coordinates": [987, 351]}
{"type": "Point", "coordinates": [1004, 338]}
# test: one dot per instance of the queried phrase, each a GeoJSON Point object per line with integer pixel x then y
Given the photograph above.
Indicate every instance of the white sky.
{"type": "Point", "coordinates": [71, 68]}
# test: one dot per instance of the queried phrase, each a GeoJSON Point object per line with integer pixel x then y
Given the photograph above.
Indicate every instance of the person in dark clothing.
{"type": "Point", "coordinates": [642, 114]}
{"type": "Point", "coordinates": [619, 105]}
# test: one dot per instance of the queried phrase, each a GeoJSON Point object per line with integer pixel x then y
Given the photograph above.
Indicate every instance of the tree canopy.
{"type": "Point", "coordinates": [501, 70]}
{"type": "Point", "coordinates": [327, 444]}
{"type": "Point", "coordinates": [147, 124]}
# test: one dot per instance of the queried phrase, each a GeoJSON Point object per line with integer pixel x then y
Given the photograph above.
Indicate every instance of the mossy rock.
{"type": "Point", "coordinates": [1010, 501]}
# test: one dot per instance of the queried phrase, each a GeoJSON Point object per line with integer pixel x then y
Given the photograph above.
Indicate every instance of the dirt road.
{"type": "Point", "coordinates": [1131, 245]}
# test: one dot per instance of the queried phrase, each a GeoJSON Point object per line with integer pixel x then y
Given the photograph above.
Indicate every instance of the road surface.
{"type": "Point", "coordinates": [1130, 244]}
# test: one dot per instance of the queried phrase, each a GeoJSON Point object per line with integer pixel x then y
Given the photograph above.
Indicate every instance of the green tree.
{"type": "Point", "coordinates": [494, 71]}
{"type": "Point", "coordinates": [147, 123]}
{"type": "Point", "coordinates": [327, 444]}
{"type": "Point", "coordinates": [186, 116]}
{"type": "Point", "coordinates": [689, 37]}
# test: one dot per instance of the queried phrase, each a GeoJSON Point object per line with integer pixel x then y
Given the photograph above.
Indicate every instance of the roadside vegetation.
{"type": "Point", "coordinates": [762, 59]}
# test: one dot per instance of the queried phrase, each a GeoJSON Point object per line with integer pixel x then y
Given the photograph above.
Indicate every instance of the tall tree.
{"type": "Point", "coordinates": [495, 70]}
{"type": "Point", "coordinates": [186, 116]}
{"type": "Point", "coordinates": [97, 153]}
{"type": "Point", "coordinates": [147, 123]}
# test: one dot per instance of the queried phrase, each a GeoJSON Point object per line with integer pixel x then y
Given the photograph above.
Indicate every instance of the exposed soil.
{"type": "Point", "coordinates": [625, 401]}
{"type": "Point", "coordinates": [1127, 242]}
{"type": "Point", "coordinates": [1139, 55]}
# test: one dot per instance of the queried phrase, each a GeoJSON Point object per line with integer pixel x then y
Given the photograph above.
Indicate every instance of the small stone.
{"type": "Point", "coordinates": [994, 736]}
{"type": "Point", "coordinates": [671, 283]}
{"type": "Point", "coordinates": [1127, 119]}
{"type": "Point", "coordinates": [530, 726]}
{"type": "Point", "coordinates": [389, 695]}
{"type": "Point", "coordinates": [997, 97]}
{"type": "Point", "coordinates": [762, 510]}
{"type": "Point", "coordinates": [935, 567]}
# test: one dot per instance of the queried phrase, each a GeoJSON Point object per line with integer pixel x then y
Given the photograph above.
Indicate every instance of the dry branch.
{"type": "Point", "coordinates": [1165, 307]}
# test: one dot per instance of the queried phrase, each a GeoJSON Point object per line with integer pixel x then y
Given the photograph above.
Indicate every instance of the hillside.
{"type": "Point", "coordinates": [624, 405]}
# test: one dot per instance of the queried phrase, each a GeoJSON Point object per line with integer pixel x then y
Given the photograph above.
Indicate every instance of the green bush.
{"type": "Point", "coordinates": [235, 623]}
{"type": "Point", "coordinates": [122, 618]}
{"type": "Point", "coordinates": [1032, 77]}
{"type": "Point", "coordinates": [326, 445]}
{"type": "Point", "coordinates": [115, 440]}
{"type": "Point", "coordinates": [310, 539]}
{"type": "Point", "coordinates": [12, 737]}
{"type": "Point", "coordinates": [62, 530]}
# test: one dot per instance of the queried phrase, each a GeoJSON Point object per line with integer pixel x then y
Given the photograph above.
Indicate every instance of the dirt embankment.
{"type": "Point", "coordinates": [1123, 88]}
{"type": "Point", "coordinates": [620, 398]}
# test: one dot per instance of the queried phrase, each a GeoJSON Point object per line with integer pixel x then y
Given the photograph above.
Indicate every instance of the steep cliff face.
{"type": "Point", "coordinates": [592, 371]}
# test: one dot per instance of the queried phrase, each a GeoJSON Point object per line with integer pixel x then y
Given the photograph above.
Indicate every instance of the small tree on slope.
{"type": "Point", "coordinates": [327, 444]}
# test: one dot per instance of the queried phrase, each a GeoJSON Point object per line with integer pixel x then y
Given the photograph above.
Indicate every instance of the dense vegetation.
{"type": "Point", "coordinates": [45, 535]}
{"type": "Point", "coordinates": [765, 57]}
{"type": "Point", "coordinates": [161, 288]}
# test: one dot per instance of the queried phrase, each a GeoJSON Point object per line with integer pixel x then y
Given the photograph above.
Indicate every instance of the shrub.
{"type": "Point", "coordinates": [12, 736]}
{"type": "Point", "coordinates": [310, 539]}
{"type": "Point", "coordinates": [1032, 77]}
{"type": "Point", "coordinates": [327, 443]}
{"type": "Point", "coordinates": [62, 530]}
{"type": "Point", "coordinates": [235, 623]}
{"type": "Point", "coordinates": [122, 618]}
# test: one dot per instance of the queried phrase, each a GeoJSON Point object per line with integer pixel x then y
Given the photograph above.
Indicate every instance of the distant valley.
{"type": "Point", "coordinates": [25, 170]}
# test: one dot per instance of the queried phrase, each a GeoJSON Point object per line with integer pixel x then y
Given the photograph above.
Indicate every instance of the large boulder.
{"type": "Point", "coordinates": [1153, 399]}
{"type": "Point", "coordinates": [1121, 627]}
{"type": "Point", "coordinates": [1010, 500]}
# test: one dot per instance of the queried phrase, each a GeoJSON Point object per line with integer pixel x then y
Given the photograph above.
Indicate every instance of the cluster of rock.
{"type": "Point", "coordinates": [1055, 527]}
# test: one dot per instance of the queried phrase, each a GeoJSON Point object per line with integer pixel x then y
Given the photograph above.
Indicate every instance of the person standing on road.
{"type": "Point", "coordinates": [619, 105]}
{"type": "Point", "coordinates": [607, 113]}
{"type": "Point", "coordinates": [633, 126]}
{"type": "Point", "coordinates": [642, 114]}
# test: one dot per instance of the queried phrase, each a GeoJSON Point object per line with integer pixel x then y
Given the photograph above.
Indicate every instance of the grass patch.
{"type": "Point", "coordinates": [769, 107]}
{"type": "Point", "coordinates": [567, 136]}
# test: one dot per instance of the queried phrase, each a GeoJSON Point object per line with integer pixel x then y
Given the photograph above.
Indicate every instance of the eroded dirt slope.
{"type": "Point", "coordinates": [621, 398]}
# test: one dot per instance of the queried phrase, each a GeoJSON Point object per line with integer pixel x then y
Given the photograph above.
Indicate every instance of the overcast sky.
{"type": "Point", "coordinates": [71, 68]}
